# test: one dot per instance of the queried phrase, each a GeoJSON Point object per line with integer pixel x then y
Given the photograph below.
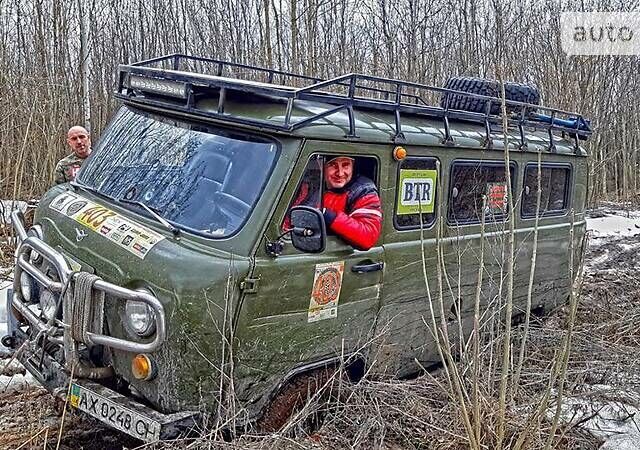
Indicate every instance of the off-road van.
{"type": "Point", "coordinates": [177, 268]}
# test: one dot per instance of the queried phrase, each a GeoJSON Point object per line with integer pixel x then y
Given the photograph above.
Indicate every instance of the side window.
{"type": "Point", "coordinates": [470, 182]}
{"type": "Point", "coordinates": [554, 195]}
{"type": "Point", "coordinates": [312, 185]}
{"type": "Point", "coordinates": [416, 193]}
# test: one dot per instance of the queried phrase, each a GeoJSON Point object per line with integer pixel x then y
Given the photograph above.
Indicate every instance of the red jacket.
{"type": "Point", "coordinates": [354, 212]}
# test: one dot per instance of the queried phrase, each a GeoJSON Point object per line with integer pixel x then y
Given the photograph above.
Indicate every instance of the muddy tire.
{"type": "Point", "coordinates": [513, 91]}
{"type": "Point", "coordinates": [291, 397]}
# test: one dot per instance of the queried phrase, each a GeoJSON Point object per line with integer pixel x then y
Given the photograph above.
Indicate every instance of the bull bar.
{"type": "Point", "coordinates": [26, 244]}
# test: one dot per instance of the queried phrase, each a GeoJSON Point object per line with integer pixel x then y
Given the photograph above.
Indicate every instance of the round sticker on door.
{"type": "Point", "coordinates": [327, 286]}
{"type": "Point", "coordinates": [325, 293]}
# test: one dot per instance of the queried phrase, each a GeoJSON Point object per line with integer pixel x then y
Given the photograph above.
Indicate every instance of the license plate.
{"type": "Point", "coordinates": [114, 414]}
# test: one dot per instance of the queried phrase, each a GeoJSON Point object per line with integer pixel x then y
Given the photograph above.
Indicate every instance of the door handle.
{"type": "Point", "coordinates": [370, 267]}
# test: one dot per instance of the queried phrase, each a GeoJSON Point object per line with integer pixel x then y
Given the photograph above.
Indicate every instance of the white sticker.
{"type": "Point", "coordinates": [133, 237]}
{"type": "Point", "coordinates": [325, 294]}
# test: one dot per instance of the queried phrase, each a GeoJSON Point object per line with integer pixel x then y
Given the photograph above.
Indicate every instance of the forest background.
{"type": "Point", "coordinates": [58, 61]}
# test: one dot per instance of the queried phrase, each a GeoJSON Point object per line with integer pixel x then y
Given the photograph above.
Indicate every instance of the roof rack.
{"type": "Point", "coordinates": [182, 77]}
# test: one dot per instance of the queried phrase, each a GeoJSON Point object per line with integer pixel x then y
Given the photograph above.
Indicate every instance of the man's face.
{"type": "Point", "coordinates": [79, 141]}
{"type": "Point", "coordinates": [338, 172]}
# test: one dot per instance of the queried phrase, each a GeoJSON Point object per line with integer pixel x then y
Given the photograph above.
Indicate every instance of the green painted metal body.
{"type": "Point", "coordinates": [234, 309]}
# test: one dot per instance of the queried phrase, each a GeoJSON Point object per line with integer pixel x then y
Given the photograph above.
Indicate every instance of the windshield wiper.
{"type": "Point", "coordinates": [91, 189]}
{"type": "Point", "coordinates": [154, 214]}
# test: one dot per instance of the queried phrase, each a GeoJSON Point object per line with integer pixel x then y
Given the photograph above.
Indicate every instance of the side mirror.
{"type": "Point", "coordinates": [309, 232]}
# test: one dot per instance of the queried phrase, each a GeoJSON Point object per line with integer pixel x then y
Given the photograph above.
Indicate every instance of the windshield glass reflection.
{"type": "Point", "coordinates": [197, 177]}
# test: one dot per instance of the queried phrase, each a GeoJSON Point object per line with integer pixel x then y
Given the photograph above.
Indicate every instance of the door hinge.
{"type": "Point", "coordinates": [249, 285]}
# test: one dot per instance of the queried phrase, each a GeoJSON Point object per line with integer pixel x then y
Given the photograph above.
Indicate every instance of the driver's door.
{"type": "Point", "coordinates": [307, 307]}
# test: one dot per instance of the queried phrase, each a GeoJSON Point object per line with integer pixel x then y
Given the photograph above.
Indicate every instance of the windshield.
{"type": "Point", "coordinates": [195, 176]}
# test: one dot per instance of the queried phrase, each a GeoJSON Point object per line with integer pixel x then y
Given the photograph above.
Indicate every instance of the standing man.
{"type": "Point", "coordinates": [80, 142]}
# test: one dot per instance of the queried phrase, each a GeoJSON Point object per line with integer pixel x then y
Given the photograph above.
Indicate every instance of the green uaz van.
{"type": "Point", "coordinates": [163, 280]}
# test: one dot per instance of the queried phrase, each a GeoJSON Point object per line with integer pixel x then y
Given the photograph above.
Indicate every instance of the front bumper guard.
{"type": "Point", "coordinates": [64, 271]}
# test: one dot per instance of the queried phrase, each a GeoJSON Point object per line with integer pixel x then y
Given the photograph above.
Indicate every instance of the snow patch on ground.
{"type": "Point", "coordinates": [4, 286]}
{"type": "Point", "coordinates": [13, 377]}
{"type": "Point", "coordinates": [617, 423]}
{"type": "Point", "coordinates": [613, 225]}
{"type": "Point", "coordinates": [612, 416]}
{"type": "Point", "coordinates": [7, 206]}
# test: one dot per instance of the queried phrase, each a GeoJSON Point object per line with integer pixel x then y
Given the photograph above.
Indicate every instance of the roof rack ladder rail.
{"type": "Point", "coordinates": [176, 62]}
{"type": "Point", "coordinates": [220, 68]}
{"type": "Point", "coordinates": [523, 140]}
{"type": "Point", "coordinates": [352, 120]}
{"type": "Point", "coordinates": [552, 145]}
{"type": "Point", "coordinates": [488, 142]}
{"type": "Point", "coordinates": [399, 136]}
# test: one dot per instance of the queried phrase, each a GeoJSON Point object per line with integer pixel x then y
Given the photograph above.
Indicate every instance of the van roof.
{"type": "Point", "coordinates": [349, 107]}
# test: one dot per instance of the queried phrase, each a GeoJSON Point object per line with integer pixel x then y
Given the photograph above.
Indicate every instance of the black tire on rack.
{"type": "Point", "coordinates": [522, 93]}
{"type": "Point", "coordinates": [513, 91]}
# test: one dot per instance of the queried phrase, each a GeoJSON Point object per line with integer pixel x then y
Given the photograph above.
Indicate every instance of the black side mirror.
{"type": "Point", "coordinates": [309, 232]}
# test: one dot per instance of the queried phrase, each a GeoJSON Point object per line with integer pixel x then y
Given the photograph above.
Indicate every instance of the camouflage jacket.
{"type": "Point", "coordinates": [67, 168]}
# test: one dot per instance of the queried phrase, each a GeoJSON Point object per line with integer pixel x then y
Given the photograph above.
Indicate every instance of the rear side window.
{"type": "Point", "coordinates": [416, 193]}
{"type": "Point", "coordinates": [470, 182]}
{"type": "Point", "coordinates": [554, 192]}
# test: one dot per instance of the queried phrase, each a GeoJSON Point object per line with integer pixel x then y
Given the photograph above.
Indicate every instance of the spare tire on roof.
{"type": "Point", "coordinates": [513, 91]}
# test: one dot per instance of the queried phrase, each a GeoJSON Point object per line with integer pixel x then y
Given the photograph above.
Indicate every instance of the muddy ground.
{"type": "Point", "coordinates": [29, 416]}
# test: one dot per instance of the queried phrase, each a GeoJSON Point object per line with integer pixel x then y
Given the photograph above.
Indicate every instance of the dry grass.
{"type": "Point", "coordinates": [423, 413]}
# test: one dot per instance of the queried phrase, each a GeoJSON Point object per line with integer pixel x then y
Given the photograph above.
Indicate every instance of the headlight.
{"type": "Point", "coordinates": [48, 303]}
{"type": "Point", "coordinates": [27, 286]}
{"type": "Point", "coordinates": [140, 317]}
{"type": "Point", "coordinates": [35, 231]}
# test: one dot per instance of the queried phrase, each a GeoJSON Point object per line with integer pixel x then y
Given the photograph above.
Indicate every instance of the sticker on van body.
{"type": "Point", "coordinates": [133, 237]}
{"type": "Point", "coordinates": [325, 294]}
{"type": "Point", "coordinates": [417, 191]}
{"type": "Point", "coordinates": [496, 198]}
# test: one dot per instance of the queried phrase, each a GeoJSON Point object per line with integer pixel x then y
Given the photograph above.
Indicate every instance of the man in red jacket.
{"type": "Point", "coordinates": [350, 205]}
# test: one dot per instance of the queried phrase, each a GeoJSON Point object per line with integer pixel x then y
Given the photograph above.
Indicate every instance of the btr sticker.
{"type": "Point", "coordinates": [417, 191]}
{"type": "Point", "coordinates": [325, 293]}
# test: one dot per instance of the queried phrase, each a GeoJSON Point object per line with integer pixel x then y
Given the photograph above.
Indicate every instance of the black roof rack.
{"type": "Point", "coordinates": [181, 76]}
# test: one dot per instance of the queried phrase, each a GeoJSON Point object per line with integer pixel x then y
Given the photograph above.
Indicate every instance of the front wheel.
{"type": "Point", "coordinates": [292, 397]}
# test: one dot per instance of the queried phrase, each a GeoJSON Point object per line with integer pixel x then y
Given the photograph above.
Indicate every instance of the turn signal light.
{"type": "Point", "coordinates": [399, 153]}
{"type": "Point", "coordinates": [143, 368]}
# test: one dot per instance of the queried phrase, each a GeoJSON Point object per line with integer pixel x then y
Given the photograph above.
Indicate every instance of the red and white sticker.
{"type": "Point", "coordinates": [325, 294]}
{"type": "Point", "coordinates": [497, 197]}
